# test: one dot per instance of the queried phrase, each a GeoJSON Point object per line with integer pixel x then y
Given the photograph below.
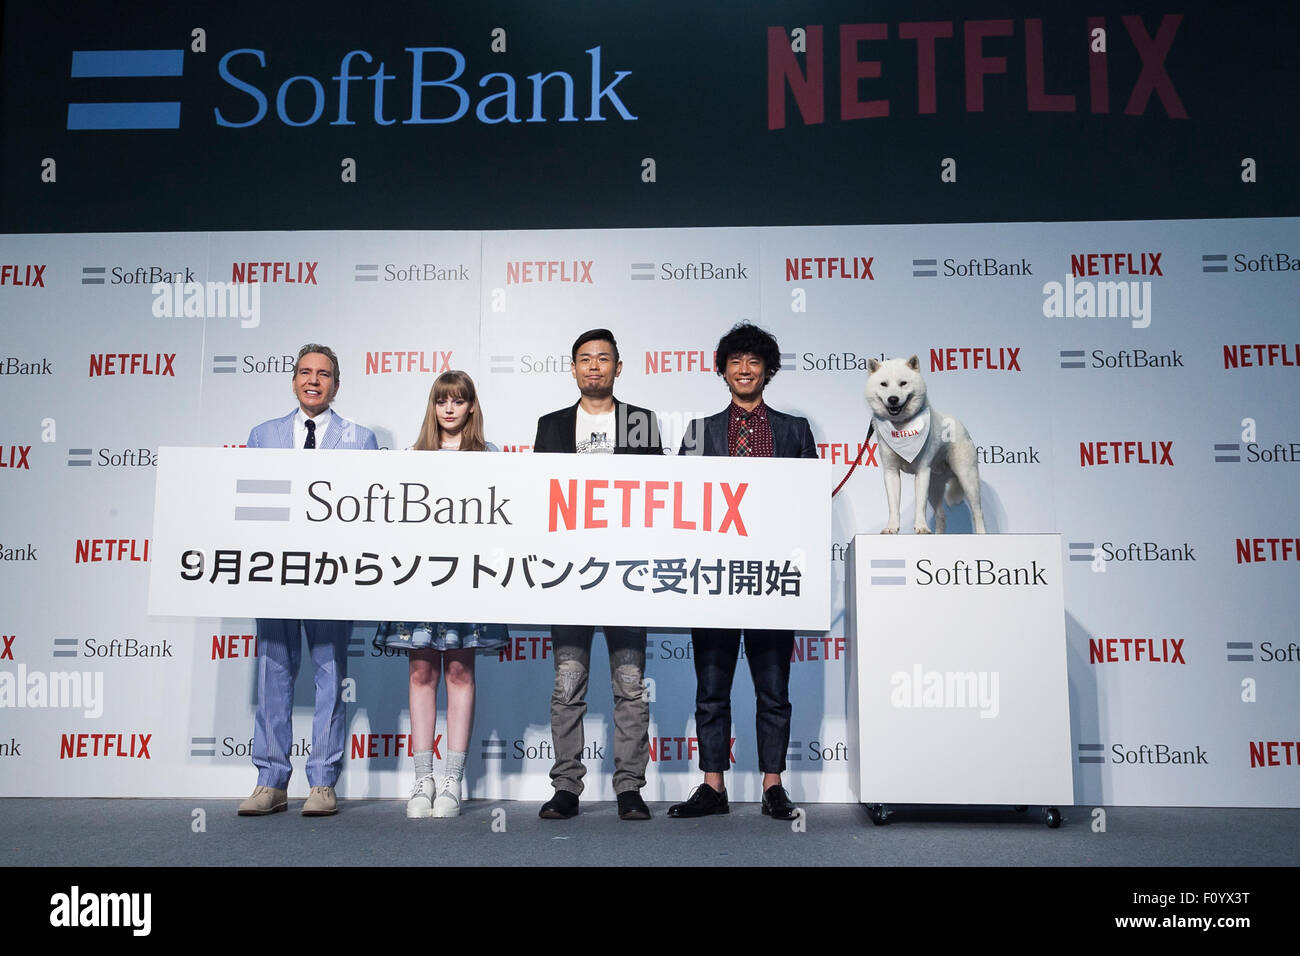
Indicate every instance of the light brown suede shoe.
{"type": "Point", "coordinates": [321, 802]}
{"type": "Point", "coordinates": [265, 800]}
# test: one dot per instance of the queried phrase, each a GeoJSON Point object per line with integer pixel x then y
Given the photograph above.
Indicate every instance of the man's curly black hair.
{"type": "Point", "coordinates": [744, 338]}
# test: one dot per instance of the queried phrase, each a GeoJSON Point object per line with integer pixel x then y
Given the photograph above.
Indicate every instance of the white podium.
{"type": "Point", "coordinates": [958, 690]}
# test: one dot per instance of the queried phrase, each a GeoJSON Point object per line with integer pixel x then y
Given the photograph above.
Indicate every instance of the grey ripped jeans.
{"type": "Point", "coordinates": [572, 649]}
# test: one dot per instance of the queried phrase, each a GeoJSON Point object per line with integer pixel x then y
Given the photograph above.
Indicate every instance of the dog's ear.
{"type": "Point", "coordinates": [872, 365]}
{"type": "Point", "coordinates": [914, 364]}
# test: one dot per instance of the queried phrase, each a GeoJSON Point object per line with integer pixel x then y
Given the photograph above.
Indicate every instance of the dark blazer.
{"type": "Point", "coordinates": [791, 436]}
{"type": "Point", "coordinates": [636, 430]}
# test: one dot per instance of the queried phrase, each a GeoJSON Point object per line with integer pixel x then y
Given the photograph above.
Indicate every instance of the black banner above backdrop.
{"type": "Point", "coordinates": [517, 115]}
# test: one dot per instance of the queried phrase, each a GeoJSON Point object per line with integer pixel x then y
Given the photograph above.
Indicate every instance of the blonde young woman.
{"type": "Point", "coordinates": [452, 422]}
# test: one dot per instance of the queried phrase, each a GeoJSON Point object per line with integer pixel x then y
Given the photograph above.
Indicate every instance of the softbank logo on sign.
{"type": "Point", "coordinates": [981, 572]}
{"type": "Point", "coordinates": [945, 690]}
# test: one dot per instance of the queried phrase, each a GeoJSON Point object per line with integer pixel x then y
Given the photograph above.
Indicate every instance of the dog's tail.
{"type": "Point", "coordinates": [952, 492]}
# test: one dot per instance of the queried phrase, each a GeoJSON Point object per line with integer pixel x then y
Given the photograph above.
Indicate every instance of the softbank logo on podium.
{"type": "Point", "coordinates": [980, 572]}
{"type": "Point", "coordinates": [260, 487]}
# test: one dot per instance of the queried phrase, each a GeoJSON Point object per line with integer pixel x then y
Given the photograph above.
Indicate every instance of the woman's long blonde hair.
{"type": "Point", "coordinates": [453, 384]}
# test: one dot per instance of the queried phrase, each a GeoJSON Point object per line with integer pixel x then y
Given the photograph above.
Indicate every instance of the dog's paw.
{"type": "Point", "coordinates": [922, 529]}
{"type": "Point", "coordinates": [889, 531]}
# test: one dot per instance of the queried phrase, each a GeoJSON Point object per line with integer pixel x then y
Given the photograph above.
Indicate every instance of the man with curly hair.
{"type": "Point", "coordinates": [747, 358]}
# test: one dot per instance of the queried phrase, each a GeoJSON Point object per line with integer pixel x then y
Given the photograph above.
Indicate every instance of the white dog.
{"type": "Point", "coordinates": [921, 441]}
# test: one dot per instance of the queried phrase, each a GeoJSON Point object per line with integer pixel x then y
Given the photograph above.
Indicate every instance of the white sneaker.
{"type": "Point", "coordinates": [448, 802]}
{"type": "Point", "coordinates": [421, 803]}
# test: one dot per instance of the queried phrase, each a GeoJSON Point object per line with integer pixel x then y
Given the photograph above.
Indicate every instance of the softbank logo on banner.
{"type": "Point", "coordinates": [82, 690]}
{"type": "Point", "coordinates": [1241, 262]}
{"type": "Point", "coordinates": [136, 275]}
{"type": "Point", "coordinates": [441, 99]}
{"type": "Point", "coordinates": [1098, 556]}
{"type": "Point", "coordinates": [412, 272]}
{"type": "Point", "coordinates": [945, 690]}
{"type": "Point", "coordinates": [703, 269]}
{"type": "Point", "coordinates": [376, 504]}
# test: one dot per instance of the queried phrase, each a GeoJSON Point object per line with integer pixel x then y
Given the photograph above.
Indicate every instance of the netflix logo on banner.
{"type": "Point", "coordinates": [656, 363]}
{"type": "Point", "coordinates": [817, 649]}
{"type": "Point", "coordinates": [366, 746]}
{"type": "Point", "coordinates": [90, 550]}
{"type": "Point", "coordinates": [1126, 453]}
{"type": "Point", "coordinates": [1115, 264]}
{"type": "Point", "coordinates": [1005, 359]}
{"type": "Point", "coordinates": [28, 275]}
{"type": "Point", "coordinates": [549, 270]}
{"type": "Point", "coordinates": [230, 646]}
{"type": "Point", "coordinates": [384, 363]}
{"type": "Point", "coordinates": [1112, 650]}
{"type": "Point", "coordinates": [843, 452]}
{"type": "Point", "coordinates": [132, 363]}
{"type": "Point", "coordinates": [15, 456]}
{"type": "Point", "coordinates": [299, 273]}
{"type": "Point", "coordinates": [1258, 356]}
{"type": "Point", "coordinates": [1275, 753]}
{"type": "Point", "coordinates": [134, 745]}
{"type": "Point", "coordinates": [1256, 550]}
{"type": "Point", "coordinates": [526, 649]}
{"type": "Point", "coordinates": [666, 749]}
{"type": "Point", "coordinates": [829, 267]}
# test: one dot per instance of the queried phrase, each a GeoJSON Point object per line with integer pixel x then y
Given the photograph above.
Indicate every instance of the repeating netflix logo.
{"type": "Point", "coordinates": [999, 358]}
{"type": "Point", "coordinates": [372, 746]}
{"type": "Point", "coordinates": [288, 273]}
{"type": "Point", "coordinates": [160, 364]}
{"type": "Point", "coordinates": [24, 274]}
{"type": "Point", "coordinates": [95, 550]}
{"type": "Point", "coordinates": [15, 457]}
{"type": "Point", "coordinates": [1136, 650]}
{"type": "Point", "coordinates": [549, 270]}
{"type": "Point", "coordinates": [419, 361]}
{"type": "Point", "coordinates": [1262, 355]}
{"type": "Point", "coordinates": [1275, 753]}
{"type": "Point", "coordinates": [227, 647]}
{"type": "Point", "coordinates": [113, 744]}
{"type": "Point", "coordinates": [684, 749]}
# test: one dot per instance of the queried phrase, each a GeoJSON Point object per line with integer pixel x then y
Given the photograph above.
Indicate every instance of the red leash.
{"type": "Point", "coordinates": [870, 428]}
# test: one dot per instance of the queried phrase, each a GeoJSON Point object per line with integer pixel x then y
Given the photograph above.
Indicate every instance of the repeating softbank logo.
{"type": "Point", "coordinates": [1154, 755]}
{"type": "Point", "coordinates": [1121, 358]}
{"type": "Point", "coordinates": [549, 270]}
{"type": "Point", "coordinates": [1002, 358]}
{"type": "Point", "coordinates": [703, 269]}
{"type": "Point", "coordinates": [421, 361]}
{"type": "Point", "coordinates": [253, 364]}
{"type": "Point", "coordinates": [1248, 450]}
{"type": "Point", "coordinates": [410, 272]}
{"type": "Point", "coordinates": [945, 690]}
{"type": "Point", "coordinates": [1126, 453]}
{"type": "Point", "coordinates": [828, 362]}
{"type": "Point", "coordinates": [83, 690]}
{"type": "Point", "coordinates": [133, 363]}
{"type": "Point", "coordinates": [1268, 651]}
{"type": "Point", "coordinates": [541, 749]}
{"type": "Point", "coordinates": [11, 365]}
{"type": "Point", "coordinates": [1005, 455]}
{"type": "Point", "coordinates": [1279, 261]}
{"type": "Point", "coordinates": [431, 85]}
{"type": "Point", "coordinates": [22, 552]}
{"type": "Point", "coordinates": [231, 746]}
{"type": "Point", "coordinates": [530, 364]}
{"type": "Point", "coordinates": [106, 910]}
{"type": "Point", "coordinates": [95, 550]}
{"type": "Point", "coordinates": [1099, 555]}
{"type": "Point", "coordinates": [979, 572]}
{"type": "Point", "coordinates": [149, 275]}
{"type": "Point", "coordinates": [122, 648]}
{"type": "Point", "coordinates": [1135, 650]}
{"type": "Point", "coordinates": [1275, 753]}
{"type": "Point", "coordinates": [972, 268]}
{"type": "Point", "coordinates": [23, 274]}
{"type": "Point", "coordinates": [109, 458]}
{"type": "Point", "coordinates": [805, 268]}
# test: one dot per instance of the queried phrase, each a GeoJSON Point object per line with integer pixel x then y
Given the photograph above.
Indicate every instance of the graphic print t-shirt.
{"type": "Point", "coordinates": [594, 434]}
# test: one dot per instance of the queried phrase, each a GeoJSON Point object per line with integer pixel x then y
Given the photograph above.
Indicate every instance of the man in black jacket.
{"type": "Point", "coordinates": [599, 423]}
{"type": "Point", "coordinates": [747, 358]}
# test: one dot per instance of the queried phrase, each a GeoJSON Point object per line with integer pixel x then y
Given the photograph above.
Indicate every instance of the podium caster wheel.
{"type": "Point", "coordinates": [1053, 816]}
{"type": "Point", "coordinates": [879, 815]}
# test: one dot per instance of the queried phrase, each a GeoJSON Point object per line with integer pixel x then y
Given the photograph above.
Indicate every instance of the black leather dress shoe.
{"type": "Point", "coordinates": [704, 802]}
{"type": "Point", "coordinates": [631, 806]}
{"type": "Point", "coordinates": [560, 807]}
{"type": "Point", "coordinates": [778, 805]}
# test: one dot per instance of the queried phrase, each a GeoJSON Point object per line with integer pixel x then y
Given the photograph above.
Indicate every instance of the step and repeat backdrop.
{"type": "Point", "coordinates": [1082, 223]}
{"type": "Point", "coordinates": [1128, 385]}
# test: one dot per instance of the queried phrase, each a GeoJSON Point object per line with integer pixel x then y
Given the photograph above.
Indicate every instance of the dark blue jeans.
{"type": "Point", "coordinates": [768, 653]}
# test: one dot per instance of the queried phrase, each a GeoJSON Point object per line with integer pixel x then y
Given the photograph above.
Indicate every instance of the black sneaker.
{"type": "Point", "coordinates": [704, 802]}
{"type": "Point", "coordinates": [631, 806]}
{"type": "Point", "coordinates": [560, 807]}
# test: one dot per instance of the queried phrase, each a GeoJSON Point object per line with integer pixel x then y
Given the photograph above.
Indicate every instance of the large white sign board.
{"type": "Point", "coordinates": [557, 539]}
{"type": "Point", "coordinates": [957, 674]}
